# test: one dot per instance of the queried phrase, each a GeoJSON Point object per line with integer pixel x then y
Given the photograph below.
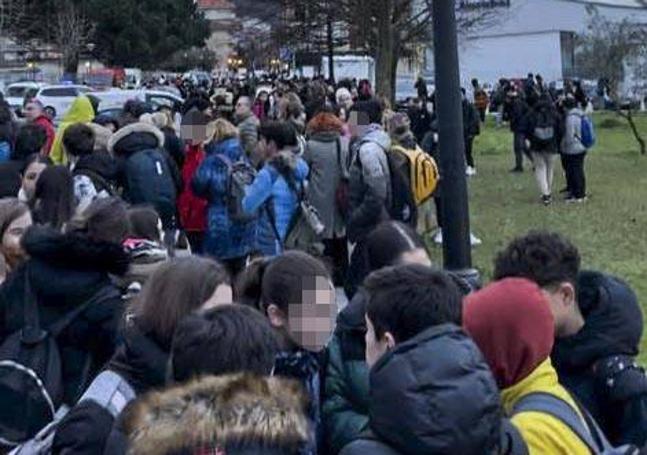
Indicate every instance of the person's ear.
{"type": "Point", "coordinates": [275, 316]}
{"type": "Point", "coordinates": [569, 294]}
{"type": "Point", "coordinates": [390, 340]}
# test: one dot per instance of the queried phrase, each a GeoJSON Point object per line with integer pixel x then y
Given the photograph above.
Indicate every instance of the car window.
{"type": "Point", "coordinates": [84, 89]}
{"type": "Point", "coordinates": [59, 91]}
{"type": "Point", "coordinates": [17, 92]}
{"type": "Point", "coordinates": [158, 101]}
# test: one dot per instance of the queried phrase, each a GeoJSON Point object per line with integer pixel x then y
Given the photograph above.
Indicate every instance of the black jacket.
{"type": "Point", "coordinates": [174, 146]}
{"type": "Point", "coordinates": [517, 109]}
{"type": "Point", "coordinates": [434, 394]}
{"type": "Point", "coordinates": [101, 168]}
{"type": "Point", "coordinates": [65, 271]}
{"type": "Point", "coordinates": [90, 429]}
{"type": "Point", "coordinates": [543, 109]}
{"type": "Point", "coordinates": [471, 120]}
{"type": "Point", "coordinates": [597, 363]}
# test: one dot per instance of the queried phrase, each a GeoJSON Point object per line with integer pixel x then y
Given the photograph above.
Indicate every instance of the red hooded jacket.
{"type": "Point", "coordinates": [192, 209]}
{"type": "Point", "coordinates": [47, 124]}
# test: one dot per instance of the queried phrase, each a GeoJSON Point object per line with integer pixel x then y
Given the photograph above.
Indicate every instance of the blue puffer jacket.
{"type": "Point", "coordinates": [271, 191]}
{"type": "Point", "coordinates": [224, 239]}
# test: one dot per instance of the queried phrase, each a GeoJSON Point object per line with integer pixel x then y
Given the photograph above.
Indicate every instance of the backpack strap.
{"type": "Point", "coordinates": [564, 412]}
{"type": "Point", "coordinates": [105, 293]}
{"type": "Point", "coordinates": [110, 391]}
{"type": "Point", "coordinates": [511, 441]}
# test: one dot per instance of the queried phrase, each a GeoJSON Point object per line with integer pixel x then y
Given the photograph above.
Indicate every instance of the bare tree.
{"type": "Point", "coordinates": [72, 34]}
{"type": "Point", "coordinates": [604, 52]}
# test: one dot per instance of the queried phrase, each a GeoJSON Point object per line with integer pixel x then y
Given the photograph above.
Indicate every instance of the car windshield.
{"type": "Point", "coordinates": [17, 92]}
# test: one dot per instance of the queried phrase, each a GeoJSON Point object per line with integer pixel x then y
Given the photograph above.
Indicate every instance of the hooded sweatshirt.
{"type": "Point", "coordinates": [81, 111]}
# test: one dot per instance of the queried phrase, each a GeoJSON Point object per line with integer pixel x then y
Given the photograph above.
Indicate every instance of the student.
{"type": "Point", "coordinates": [574, 152]}
{"type": "Point", "coordinates": [297, 296]}
{"type": "Point", "coordinates": [174, 290]}
{"type": "Point", "coordinates": [346, 400]}
{"type": "Point", "coordinates": [598, 329]}
{"type": "Point", "coordinates": [33, 167]}
{"type": "Point", "coordinates": [53, 201]}
{"type": "Point", "coordinates": [15, 219]}
{"type": "Point", "coordinates": [513, 326]}
{"type": "Point", "coordinates": [420, 360]}
{"type": "Point", "coordinates": [274, 193]}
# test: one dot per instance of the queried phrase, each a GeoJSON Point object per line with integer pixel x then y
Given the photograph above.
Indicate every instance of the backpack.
{"type": "Point", "coordinates": [588, 132]}
{"type": "Point", "coordinates": [109, 390]}
{"type": "Point", "coordinates": [239, 175]}
{"type": "Point", "coordinates": [588, 431]}
{"type": "Point", "coordinates": [423, 173]}
{"type": "Point", "coordinates": [31, 382]}
{"type": "Point", "coordinates": [149, 181]}
{"type": "Point", "coordinates": [544, 131]}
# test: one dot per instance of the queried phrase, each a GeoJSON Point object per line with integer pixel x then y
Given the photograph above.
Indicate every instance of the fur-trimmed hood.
{"type": "Point", "coordinates": [74, 251]}
{"type": "Point", "coordinates": [102, 136]}
{"type": "Point", "coordinates": [135, 137]}
{"type": "Point", "coordinates": [231, 412]}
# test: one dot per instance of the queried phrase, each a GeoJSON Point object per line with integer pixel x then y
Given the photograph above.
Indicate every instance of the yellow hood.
{"type": "Point", "coordinates": [81, 111]}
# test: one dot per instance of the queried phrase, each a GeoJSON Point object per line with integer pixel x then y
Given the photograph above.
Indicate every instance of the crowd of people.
{"type": "Point", "coordinates": [175, 293]}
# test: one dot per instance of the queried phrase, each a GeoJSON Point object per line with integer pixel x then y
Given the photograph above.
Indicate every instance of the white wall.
{"type": "Point", "coordinates": [490, 58]}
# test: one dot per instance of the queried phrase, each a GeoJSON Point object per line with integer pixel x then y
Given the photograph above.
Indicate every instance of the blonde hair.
{"type": "Point", "coordinates": [220, 129]}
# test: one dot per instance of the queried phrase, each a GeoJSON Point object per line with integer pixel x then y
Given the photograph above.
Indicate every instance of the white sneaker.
{"type": "Point", "coordinates": [474, 240]}
{"type": "Point", "coordinates": [470, 171]}
{"type": "Point", "coordinates": [438, 238]}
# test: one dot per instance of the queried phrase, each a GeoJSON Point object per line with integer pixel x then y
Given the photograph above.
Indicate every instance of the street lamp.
{"type": "Point", "coordinates": [457, 253]}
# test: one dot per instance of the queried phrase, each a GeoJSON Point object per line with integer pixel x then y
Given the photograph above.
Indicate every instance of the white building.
{"type": "Point", "coordinates": [223, 24]}
{"type": "Point", "coordinates": [536, 36]}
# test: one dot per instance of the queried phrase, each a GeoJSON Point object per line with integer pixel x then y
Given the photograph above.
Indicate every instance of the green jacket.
{"type": "Point", "coordinates": [346, 396]}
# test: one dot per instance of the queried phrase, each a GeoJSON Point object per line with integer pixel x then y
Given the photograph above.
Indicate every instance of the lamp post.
{"type": "Point", "coordinates": [457, 253]}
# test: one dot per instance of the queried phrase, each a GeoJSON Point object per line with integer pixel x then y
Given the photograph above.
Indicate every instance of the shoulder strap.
{"type": "Point", "coordinates": [561, 410]}
{"type": "Point", "coordinates": [110, 391]}
{"type": "Point", "coordinates": [272, 219]}
{"type": "Point", "coordinates": [105, 293]}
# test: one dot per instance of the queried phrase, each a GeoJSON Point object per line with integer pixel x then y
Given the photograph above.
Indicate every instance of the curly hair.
{"type": "Point", "coordinates": [547, 258]}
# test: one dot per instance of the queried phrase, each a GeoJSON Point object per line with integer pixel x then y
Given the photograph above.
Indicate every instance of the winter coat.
{"type": "Point", "coordinates": [572, 140]}
{"type": "Point", "coordinates": [45, 122]}
{"type": "Point", "coordinates": [530, 122]}
{"type": "Point", "coordinates": [101, 137]}
{"type": "Point", "coordinates": [94, 178]}
{"type": "Point", "coordinates": [225, 239]}
{"type": "Point", "coordinates": [88, 428]}
{"type": "Point", "coordinates": [471, 120]}
{"type": "Point", "coordinates": [66, 270]}
{"type": "Point", "coordinates": [346, 398]}
{"type": "Point", "coordinates": [237, 414]}
{"type": "Point", "coordinates": [369, 184]}
{"type": "Point", "coordinates": [327, 154]}
{"type": "Point", "coordinates": [447, 395]}
{"type": "Point", "coordinates": [81, 111]}
{"type": "Point", "coordinates": [543, 433]}
{"type": "Point", "coordinates": [516, 110]}
{"type": "Point", "coordinates": [272, 197]}
{"type": "Point", "coordinates": [248, 129]}
{"type": "Point", "coordinates": [597, 363]}
{"type": "Point", "coordinates": [174, 146]}
{"type": "Point", "coordinates": [191, 207]}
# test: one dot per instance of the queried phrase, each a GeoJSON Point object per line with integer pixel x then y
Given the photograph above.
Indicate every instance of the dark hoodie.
{"type": "Point", "coordinates": [90, 429]}
{"type": "Point", "coordinates": [101, 168]}
{"type": "Point", "coordinates": [597, 363]}
{"type": "Point", "coordinates": [65, 271]}
{"type": "Point", "coordinates": [433, 394]}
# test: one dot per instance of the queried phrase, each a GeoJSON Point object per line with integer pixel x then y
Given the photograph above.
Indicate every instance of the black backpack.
{"type": "Point", "coordinates": [149, 181]}
{"type": "Point", "coordinates": [544, 131]}
{"type": "Point", "coordinates": [240, 174]}
{"type": "Point", "coordinates": [31, 383]}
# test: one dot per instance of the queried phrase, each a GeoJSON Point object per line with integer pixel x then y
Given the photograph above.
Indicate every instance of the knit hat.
{"type": "Point", "coordinates": [512, 324]}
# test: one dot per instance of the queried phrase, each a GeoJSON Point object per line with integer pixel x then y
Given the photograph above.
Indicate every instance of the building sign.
{"type": "Point", "coordinates": [478, 4]}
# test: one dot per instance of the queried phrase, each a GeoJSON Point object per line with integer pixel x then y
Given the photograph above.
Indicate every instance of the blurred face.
{"type": "Point", "coordinates": [11, 248]}
{"type": "Point", "coordinates": [266, 150]}
{"type": "Point", "coordinates": [33, 111]}
{"type": "Point", "coordinates": [376, 348]}
{"type": "Point", "coordinates": [358, 124]}
{"type": "Point", "coordinates": [30, 178]}
{"type": "Point", "coordinates": [563, 304]}
{"type": "Point", "coordinates": [243, 107]}
{"type": "Point", "coordinates": [223, 295]}
{"type": "Point", "coordinates": [263, 97]}
{"type": "Point", "coordinates": [309, 322]}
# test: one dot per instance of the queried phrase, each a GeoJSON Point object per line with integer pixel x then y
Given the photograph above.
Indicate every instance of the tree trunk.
{"type": "Point", "coordinates": [385, 56]}
{"type": "Point", "coordinates": [71, 64]}
{"type": "Point", "coordinates": [634, 129]}
{"type": "Point", "coordinates": [330, 42]}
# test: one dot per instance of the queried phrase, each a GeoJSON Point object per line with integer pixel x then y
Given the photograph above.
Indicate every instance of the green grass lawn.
{"type": "Point", "coordinates": [610, 230]}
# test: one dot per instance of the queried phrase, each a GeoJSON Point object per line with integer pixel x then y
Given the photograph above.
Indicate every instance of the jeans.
{"type": "Point", "coordinates": [544, 169]}
{"type": "Point", "coordinates": [519, 149]}
{"type": "Point", "coordinates": [575, 179]}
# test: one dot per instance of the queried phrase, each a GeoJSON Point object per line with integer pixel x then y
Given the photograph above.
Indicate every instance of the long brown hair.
{"type": "Point", "coordinates": [173, 291]}
{"type": "Point", "coordinates": [10, 210]}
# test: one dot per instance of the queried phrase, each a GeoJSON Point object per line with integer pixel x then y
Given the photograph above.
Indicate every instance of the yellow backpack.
{"type": "Point", "coordinates": [423, 172]}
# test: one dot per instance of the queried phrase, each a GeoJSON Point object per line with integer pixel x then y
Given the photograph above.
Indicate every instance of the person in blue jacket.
{"type": "Point", "coordinates": [227, 240]}
{"type": "Point", "coordinates": [274, 193]}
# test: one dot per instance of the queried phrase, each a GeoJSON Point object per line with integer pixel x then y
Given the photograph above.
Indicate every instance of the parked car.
{"type": "Point", "coordinates": [57, 99]}
{"type": "Point", "coordinates": [115, 99]}
{"type": "Point", "coordinates": [17, 92]}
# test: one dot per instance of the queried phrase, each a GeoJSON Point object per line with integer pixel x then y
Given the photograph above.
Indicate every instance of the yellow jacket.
{"type": "Point", "coordinates": [80, 111]}
{"type": "Point", "coordinates": [543, 433]}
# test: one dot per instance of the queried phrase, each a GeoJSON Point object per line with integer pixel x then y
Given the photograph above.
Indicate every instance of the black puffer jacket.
{"type": "Point", "coordinates": [101, 168]}
{"type": "Point", "coordinates": [434, 394]}
{"type": "Point", "coordinates": [90, 429]}
{"type": "Point", "coordinates": [597, 364]}
{"type": "Point", "coordinates": [65, 271]}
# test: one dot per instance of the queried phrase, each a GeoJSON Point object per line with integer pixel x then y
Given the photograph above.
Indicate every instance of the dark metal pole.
{"type": "Point", "coordinates": [457, 254]}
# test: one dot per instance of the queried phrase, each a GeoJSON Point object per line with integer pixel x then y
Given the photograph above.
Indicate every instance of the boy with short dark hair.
{"type": "Point", "coordinates": [598, 329]}
{"type": "Point", "coordinates": [418, 355]}
{"type": "Point", "coordinates": [78, 140]}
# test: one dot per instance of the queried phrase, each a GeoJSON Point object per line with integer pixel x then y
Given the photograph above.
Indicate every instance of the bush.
{"type": "Point", "coordinates": [610, 123]}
